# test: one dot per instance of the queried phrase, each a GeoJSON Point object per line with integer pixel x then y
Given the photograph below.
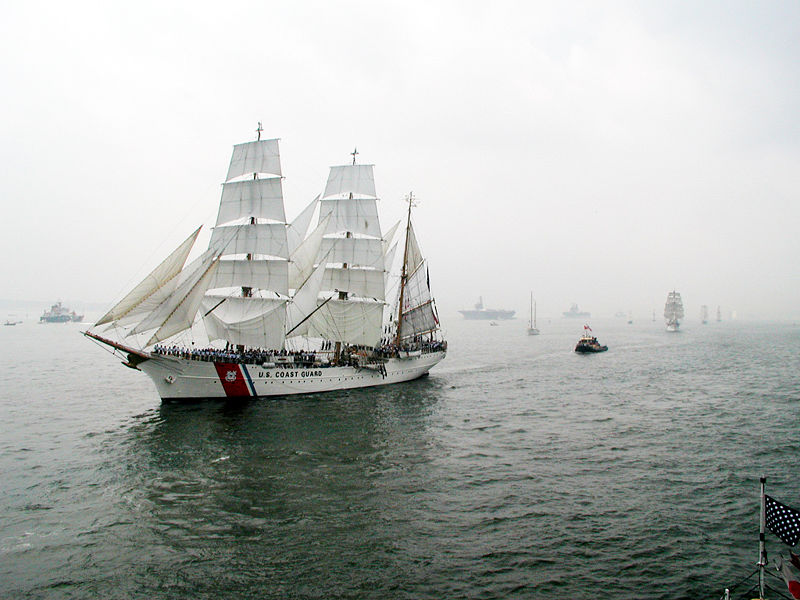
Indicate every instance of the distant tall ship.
{"type": "Point", "coordinates": [574, 312]}
{"type": "Point", "coordinates": [60, 314]}
{"type": "Point", "coordinates": [486, 314]}
{"type": "Point", "coordinates": [277, 310]}
{"type": "Point", "coordinates": [673, 310]}
{"type": "Point", "coordinates": [704, 314]}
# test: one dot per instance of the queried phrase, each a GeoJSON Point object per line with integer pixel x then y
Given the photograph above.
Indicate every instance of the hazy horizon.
{"type": "Point", "coordinates": [598, 154]}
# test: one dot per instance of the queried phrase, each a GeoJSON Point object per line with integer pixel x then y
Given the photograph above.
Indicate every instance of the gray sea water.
{"type": "Point", "coordinates": [518, 469]}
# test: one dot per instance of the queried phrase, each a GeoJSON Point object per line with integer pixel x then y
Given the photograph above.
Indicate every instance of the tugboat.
{"type": "Point", "coordinates": [589, 343]}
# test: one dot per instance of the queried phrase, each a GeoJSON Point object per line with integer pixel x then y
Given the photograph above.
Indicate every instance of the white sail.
{"type": "Point", "coordinates": [414, 256]}
{"type": "Point", "coordinates": [257, 322]}
{"type": "Point", "coordinates": [366, 283]}
{"type": "Point", "coordinates": [388, 261]}
{"type": "Point", "coordinates": [183, 314]}
{"type": "Point", "coordinates": [159, 277]}
{"type": "Point", "coordinates": [187, 281]}
{"type": "Point", "coordinates": [358, 180]}
{"type": "Point", "coordinates": [304, 303]}
{"type": "Point", "coordinates": [349, 322]}
{"type": "Point", "coordinates": [259, 198]}
{"type": "Point", "coordinates": [305, 255]}
{"type": "Point", "coordinates": [262, 156]}
{"type": "Point", "coordinates": [363, 252]}
{"type": "Point", "coordinates": [418, 311]}
{"type": "Point", "coordinates": [356, 215]}
{"type": "Point", "coordinates": [296, 232]}
{"type": "Point", "coordinates": [255, 239]}
{"type": "Point", "coordinates": [262, 274]}
{"type": "Point", "coordinates": [389, 236]}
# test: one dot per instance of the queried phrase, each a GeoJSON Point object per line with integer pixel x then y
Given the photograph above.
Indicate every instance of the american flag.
{"type": "Point", "coordinates": [782, 520]}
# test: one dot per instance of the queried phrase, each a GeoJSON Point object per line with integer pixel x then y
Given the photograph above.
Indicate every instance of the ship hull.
{"type": "Point", "coordinates": [182, 380]}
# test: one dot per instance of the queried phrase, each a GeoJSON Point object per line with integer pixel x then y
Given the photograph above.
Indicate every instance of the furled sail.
{"type": "Point", "coordinates": [261, 156]}
{"type": "Point", "coordinates": [160, 277]}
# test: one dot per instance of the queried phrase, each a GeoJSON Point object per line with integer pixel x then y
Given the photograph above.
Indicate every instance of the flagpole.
{"type": "Point", "coordinates": [762, 551]}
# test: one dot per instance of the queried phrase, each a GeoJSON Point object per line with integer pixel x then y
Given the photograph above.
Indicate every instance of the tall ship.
{"type": "Point", "coordinates": [673, 310]}
{"type": "Point", "coordinates": [487, 314]}
{"type": "Point", "coordinates": [59, 313]}
{"type": "Point", "coordinates": [575, 313]}
{"type": "Point", "coordinates": [271, 308]}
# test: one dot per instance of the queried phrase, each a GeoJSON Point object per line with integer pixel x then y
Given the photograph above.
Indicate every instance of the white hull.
{"type": "Point", "coordinates": [179, 379]}
{"type": "Point", "coordinates": [672, 326]}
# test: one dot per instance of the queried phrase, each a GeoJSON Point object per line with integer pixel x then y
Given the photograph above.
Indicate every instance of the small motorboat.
{"type": "Point", "coordinates": [588, 342]}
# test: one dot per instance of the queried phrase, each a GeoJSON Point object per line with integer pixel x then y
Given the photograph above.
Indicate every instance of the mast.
{"type": "Point", "coordinates": [403, 273]}
{"type": "Point", "coordinates": [762, 551]}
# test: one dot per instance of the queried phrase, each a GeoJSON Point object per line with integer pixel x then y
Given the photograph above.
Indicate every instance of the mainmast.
{"type": "Point", "coordinates": [404, 272]}
{"type": "Point", "coordinates": [247, 292]}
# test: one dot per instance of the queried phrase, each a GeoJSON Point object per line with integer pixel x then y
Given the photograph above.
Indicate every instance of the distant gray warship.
{"type": "Point", "coordinates": [487, 314]}
{"type": "Point", "coordinates": [60, 314]}
{"type": "Point", "coordinates": [574, 312]}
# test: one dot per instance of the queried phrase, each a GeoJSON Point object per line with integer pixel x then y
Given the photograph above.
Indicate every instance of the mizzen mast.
{"type": "Point", "coordinates": [404, 272]}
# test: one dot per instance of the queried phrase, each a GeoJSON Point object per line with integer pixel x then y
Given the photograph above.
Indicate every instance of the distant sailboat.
{"type": "Point", "coordinates": [673, 310]}
{"type": "Point", "coordinates": [719, 314]}
{"type": "Point", "coordinates": [630, 317]}
{"type": "Point", "coordinates": [532, 323]}
{"type": "Point", "coordinates": [704, 314]}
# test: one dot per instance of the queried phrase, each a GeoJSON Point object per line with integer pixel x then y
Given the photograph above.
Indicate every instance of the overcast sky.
{"type": "Point", "coordinates": [593, 152]}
